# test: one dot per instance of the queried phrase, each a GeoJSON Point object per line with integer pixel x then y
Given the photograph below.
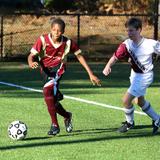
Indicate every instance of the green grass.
{"type": "Point", "coordinates": [94, 136]}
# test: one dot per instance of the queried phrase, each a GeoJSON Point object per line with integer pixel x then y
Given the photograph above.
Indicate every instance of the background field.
{"type": "Point", "coordinates": [94, 136]}
{"type": "Point", "coordinates": [98, 36]}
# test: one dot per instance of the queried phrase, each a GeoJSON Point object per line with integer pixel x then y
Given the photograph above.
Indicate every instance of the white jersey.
{"type": "Point", "coordinates": [142, 53]}
{"type": "Point", "coordinates": [140, 56]}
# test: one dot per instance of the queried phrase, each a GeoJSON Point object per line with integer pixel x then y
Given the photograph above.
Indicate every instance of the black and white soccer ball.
{"type": "Point", "coordinates": [17, 130]}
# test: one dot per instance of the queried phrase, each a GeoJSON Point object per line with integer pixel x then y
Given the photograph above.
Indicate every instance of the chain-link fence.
{"type": "Point", "coordinates": [98, 36]}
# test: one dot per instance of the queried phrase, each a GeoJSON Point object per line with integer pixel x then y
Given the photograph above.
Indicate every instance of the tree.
{"type": "Point", "coordinates": [79, 5]}
{"type": "Point", "coordinates": [20, 5]}
{"type": "Point", "coordinates": [59, 5]}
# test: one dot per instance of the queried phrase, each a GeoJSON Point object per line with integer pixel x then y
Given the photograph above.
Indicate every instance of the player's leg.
{"type": "Point", "coordinates": [67, 116]}
{"type": "Point", "coordinates": [61, 111]}
{"type": "Point", "coordinates": [129, 113]}
{"type": "Point", "coordinates": [51, 105]}
{"type": "Point", "coordinates": [147, 108]}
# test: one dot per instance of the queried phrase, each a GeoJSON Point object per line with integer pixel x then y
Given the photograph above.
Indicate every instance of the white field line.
{"type": "Point", "coordinates": [69, 97]}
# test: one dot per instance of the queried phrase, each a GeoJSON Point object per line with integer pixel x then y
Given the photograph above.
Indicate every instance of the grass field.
{"type": "Point", "coordinates": [94, 136]}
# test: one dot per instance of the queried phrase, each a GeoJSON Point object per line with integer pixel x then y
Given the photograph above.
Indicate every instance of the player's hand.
{"type": "Point", "coordinates": [95, 80]}
{"type": "Point", "coordinates": [33, 65]}
{"type": "Point", "coordinates": [107, 70]}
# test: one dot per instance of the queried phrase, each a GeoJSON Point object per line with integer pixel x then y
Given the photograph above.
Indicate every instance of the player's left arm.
{"type": "Point", "coordinates": [94, 79]}
{"type": "Point", "coordinates": [78, 53]}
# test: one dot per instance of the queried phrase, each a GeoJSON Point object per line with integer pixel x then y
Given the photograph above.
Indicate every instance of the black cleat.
{"type": "Point", "coordinates": [125, 127]}
{"type": "Point", "coordinates": [68, 123]}
{"type": "Point", "coordinates": [155, 125]}
{"type": "Point", "coordinates": [53, 130]}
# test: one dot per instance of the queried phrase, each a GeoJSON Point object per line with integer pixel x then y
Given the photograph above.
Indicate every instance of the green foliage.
{"type": "Point", "coordinates": [20, 5]}
{"type": "Point", "coordinates": [59, 5]}
{"type": "Point", "coordinates": [87, 5]}
{"type": "Point", "coordinates": [82, 6]}
{"type": "Point", "coordinates": [135, 6]}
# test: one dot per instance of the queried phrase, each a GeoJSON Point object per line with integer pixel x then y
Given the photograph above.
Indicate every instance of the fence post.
{"type": "Point", "coordinates": [156, 13]}
{"type": "Point", "coordinates": [1, 37]}
{"type": "Point", "coordinates": [78, 29]}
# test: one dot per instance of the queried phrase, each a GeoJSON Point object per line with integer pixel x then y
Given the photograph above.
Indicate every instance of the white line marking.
{"type": "Point", "coordinates": [69, 97]}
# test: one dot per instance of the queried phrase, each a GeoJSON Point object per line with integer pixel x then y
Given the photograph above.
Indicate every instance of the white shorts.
{"type": "Point", "coordinates": [139, 83]}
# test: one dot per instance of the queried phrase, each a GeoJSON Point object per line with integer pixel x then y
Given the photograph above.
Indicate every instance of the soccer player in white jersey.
{"type": "Point", "coordinates": [139, 52]}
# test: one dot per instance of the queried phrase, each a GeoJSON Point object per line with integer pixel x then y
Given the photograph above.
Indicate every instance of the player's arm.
{"type": "Point", "coordinates": [32, 64]}
{"type": "Point", "coordinates": [94, 79]}
{"type": "Point", "coordinates": [107, 68]}
{"type": "Point", "coordinates": [120, 53]}
{"type": "Point", "coordinates": [35, 50]}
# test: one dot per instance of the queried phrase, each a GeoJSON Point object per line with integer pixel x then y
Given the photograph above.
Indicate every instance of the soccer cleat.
{"type": "Point", "coordinates": [155, 125]}
{"type": "Point", "coordinates": [68, 123]}
{"type": "Point", "coordinates": [53, 130]}
{"type": "Point", "coordinates": [125, 127]}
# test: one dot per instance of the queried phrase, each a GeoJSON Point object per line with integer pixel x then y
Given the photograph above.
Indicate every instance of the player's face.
{"type": "Point", "coordinates": [56, 31]}
{"type": "Point", "coordinates": [133, 33]}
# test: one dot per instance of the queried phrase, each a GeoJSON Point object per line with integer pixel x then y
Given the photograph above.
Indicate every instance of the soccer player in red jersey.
{"type": "Point", "coordinates": [52, 50]}
{"type": "Point", "coordinates": [138, 50]}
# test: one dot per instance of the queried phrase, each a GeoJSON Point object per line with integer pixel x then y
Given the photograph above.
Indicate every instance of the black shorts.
{"type": "Point", "coordinates": [47, 76]}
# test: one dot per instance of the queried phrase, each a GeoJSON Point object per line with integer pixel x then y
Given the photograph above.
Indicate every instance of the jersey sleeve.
{"type": "Point", "coordinates": [75, 49]}
{"type": "Point", "coordinates": [157, 48]}
{"type": "Point", "coordinates": [37, 47]}
{"type": "Point", "coordinates": [121, 52]}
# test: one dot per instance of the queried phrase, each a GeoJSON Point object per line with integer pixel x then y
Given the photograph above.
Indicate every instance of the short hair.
{"type": "Point", "coordinates": [134, 22]}
{"type": "Point", "coordinates": [58, 21]}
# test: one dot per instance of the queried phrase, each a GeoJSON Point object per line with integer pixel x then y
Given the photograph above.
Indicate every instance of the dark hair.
{"type": "Point", "coordinates": [134, 22]}
{"type": "Point", "coordinates": [58, 21]}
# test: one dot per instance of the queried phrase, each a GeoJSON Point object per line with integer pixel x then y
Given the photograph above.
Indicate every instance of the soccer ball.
{"type": "Point", "coordinates": [17, 130]}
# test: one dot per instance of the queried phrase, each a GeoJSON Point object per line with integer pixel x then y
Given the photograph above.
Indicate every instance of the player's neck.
{"type": "Point", "coordinates": [138, 40]}
{"type": "Point", "coordinates": [56, 40]}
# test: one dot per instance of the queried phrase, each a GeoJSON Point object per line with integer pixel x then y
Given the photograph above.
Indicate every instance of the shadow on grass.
{"type": "Point", "coordinates": [75, 78]}
{"type": "Point", "coordinates": [142, 126]}
{"type": "Point", "coordinates": [36, 138]}
{"type": "Point", "coordinates": [131, 134]}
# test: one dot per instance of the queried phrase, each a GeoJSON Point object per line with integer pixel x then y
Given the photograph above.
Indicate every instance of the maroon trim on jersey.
{"type": "Point", "coordinates": [123, 53]}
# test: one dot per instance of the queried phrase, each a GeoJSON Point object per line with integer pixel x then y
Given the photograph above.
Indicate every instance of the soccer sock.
{"type": "Point", "coordinates": [147, 108]}
{"type": "Point", "coordinates": [50, 101]}
{"type": "Point", "coordinates": [129, 113]}
{"type": "Point", "coordinates": [61, 111]}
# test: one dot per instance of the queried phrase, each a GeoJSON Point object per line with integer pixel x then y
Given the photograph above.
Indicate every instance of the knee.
{"type": "Point", "coordinates": [141, 102]}
{"type": "Point", "coordinates": [126, 103]}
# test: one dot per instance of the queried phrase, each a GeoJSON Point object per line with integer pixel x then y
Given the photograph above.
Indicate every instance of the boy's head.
{"type": "Point", "coordinates": [59, 22]}
{"type": "Point", "coordinates": [57, 27]}
{"type": "Point", "coordinates": [134, 28]}
{"type": "Point", "coordinates": [134, 22]}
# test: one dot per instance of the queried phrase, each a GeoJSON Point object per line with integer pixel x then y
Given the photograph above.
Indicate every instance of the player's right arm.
{"type": "Point", "coordinates": [35, 50]}
{"type": "Point", "coordinates": [107, 68]}
{"type": "Point", "coordinates": [120, 53]}
{"type": "Point", "coordinates": [32, 64]}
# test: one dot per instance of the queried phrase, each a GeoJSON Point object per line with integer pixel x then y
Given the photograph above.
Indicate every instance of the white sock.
{"type": "Point", "coordinates": [147, 108]}
{"type": "Point", "coordinates": [129, 113]}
